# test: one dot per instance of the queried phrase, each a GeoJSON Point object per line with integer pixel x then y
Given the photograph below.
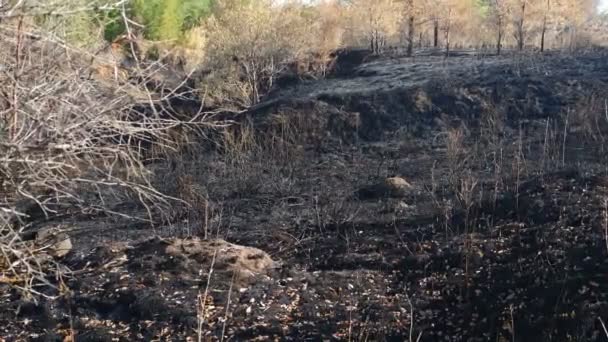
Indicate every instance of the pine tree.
{"type": "Point", "coordinates": [167, 19]}
{"type": "Point", "coordinates": [170, 19]}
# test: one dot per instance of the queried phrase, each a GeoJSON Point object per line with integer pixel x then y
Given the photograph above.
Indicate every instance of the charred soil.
{"type": "Point", "coordinates": [446, 200]}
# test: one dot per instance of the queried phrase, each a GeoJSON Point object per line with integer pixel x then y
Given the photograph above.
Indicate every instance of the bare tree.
{"type": "Point", "coordinates": [573, 14]}
{"type": "Point", "coordinates": [447, 26]}
{"type": "Point", "coordinates": [432, 11]}
{"type": "Point", "coordinates": [544, 26]}
{"type": "Point", "coordinates": [249, 45]}
{"type": "Point", "coordinates": [435, 32]}
{"type": "Point", "coordinates": [447, 13]}
{"type": "Point", "coordinates": [410, 27]}
{"type": "Point", "coordinates": [376, 20]}
{"type": "Point", "coordinates": [498, 16]}
{"type": "Point", "coordinates": [520, 23]}
{"type": "Point", "coordinates": [454, 18]}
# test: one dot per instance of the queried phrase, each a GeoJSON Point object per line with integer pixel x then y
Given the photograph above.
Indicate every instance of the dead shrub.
{"type": "Point", "coordinates": [67, 140]}
{"type": "Point", "coordinates": [247, 47]}
{"type": "Point", "coordinates": [249, 44]}
{"type": "Point", "coordinates": [373, 23]}
{"type": "Point", "coordinates": [457, 155]}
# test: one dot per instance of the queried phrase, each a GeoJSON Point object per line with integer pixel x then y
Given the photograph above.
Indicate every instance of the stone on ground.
{"type": "Point", "coordinates": [390, 187]}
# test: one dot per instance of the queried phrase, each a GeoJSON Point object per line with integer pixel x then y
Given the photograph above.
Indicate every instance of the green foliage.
{"type": "Point", "coordinates": [167, 19]}
{"type": "Point", "coordinates": [171, 21]}
{"type": "Point", "coordinates": [483, 7]}
{"type": "Point", "coordinates": [163, 19]}
{"type": "Point", "coordinates": [77, 28]}
{"type": "Point", "coordinates": [85, 26]}
{"type": "Point", "coordinates": [113, 25]}
{"type": "Point", "coordinates": [194, 10]}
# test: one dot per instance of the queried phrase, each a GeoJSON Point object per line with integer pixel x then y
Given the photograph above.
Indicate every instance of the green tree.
{"type": "Point", "coordinates": [78, 27]}
{"type": "Point", "coordinates": [171, 21]}
{"type": "Point", "coordinates": [167, 19]}
{"type": "Point", "coordinates": [194, 10]}
{"type": "Point", "coordinates": [113, 24]}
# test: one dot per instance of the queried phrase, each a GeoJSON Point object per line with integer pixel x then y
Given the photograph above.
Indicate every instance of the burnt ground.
{"type": "Point", "coordinates": [502, 235]}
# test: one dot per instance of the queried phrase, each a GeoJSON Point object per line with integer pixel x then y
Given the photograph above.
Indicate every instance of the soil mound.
{"type": "Point", "coordinates": [186, 258]}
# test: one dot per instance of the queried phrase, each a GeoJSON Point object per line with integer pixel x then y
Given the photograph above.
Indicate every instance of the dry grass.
{"type": "Point", "coordinates": [457, 155]}
{"type": "Point", "coordinates": [590, 118]}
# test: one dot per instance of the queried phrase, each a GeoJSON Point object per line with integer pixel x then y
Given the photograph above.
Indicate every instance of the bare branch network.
{"type": "Point", "coordinates": [69, 138]}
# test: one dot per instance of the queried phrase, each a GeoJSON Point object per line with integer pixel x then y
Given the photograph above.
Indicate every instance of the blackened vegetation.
{"type": "Point", "coordinates": [501, 235]}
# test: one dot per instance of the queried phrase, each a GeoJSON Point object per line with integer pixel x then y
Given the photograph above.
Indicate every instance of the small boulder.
{"type": "Point", "coordinates": [390, 187]}
{"type": "Point", "coordinates": [396, 186]}
{"type": "Point", "coordinates": [243, 260]}
{"type": "Point", "coordinates": [54, 241]}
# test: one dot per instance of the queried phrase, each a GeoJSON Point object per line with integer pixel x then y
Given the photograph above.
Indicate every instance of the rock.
{"type": "Point", "coordinates": [56, 242]}
{"type": "Point", "coordinates": [396, 186]}
{"type": "Point", "coordinates": [242, 260]}
{"type": "Point", "coordinates": [390, 187]}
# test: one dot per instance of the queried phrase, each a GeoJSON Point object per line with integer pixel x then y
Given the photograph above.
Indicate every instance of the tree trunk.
{"type": "Point", "coordinates": [447, 41]}
{"type": "Point", "coordinates": [544, 29]}
{"type": "Point", "coordinates": [448, 26]}
{"type": "Point", "coordinates": [374, 42]}
{"type": "Point", "coordinates": [375, 49]}
{"type": "Point", "coordinates": [435, 33]}
{"type": "Point", "coordinates": [410, 36]}
{"type": "Point", "coordinates": [520, 27]}
{"type": "Point", "coordinates": [542, 34]}
{"type": "Point", "coordinates": [572, 38]}
{"type": "Point", "coordinates": [499, 38]}
{"type": "Point", "coordinates": [371, 43]}
{"type": "Point", "coordinates": [499, 43]}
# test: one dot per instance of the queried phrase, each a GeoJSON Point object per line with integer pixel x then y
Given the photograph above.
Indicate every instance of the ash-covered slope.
{"type": "Point", "coordinates": [389, 93]}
